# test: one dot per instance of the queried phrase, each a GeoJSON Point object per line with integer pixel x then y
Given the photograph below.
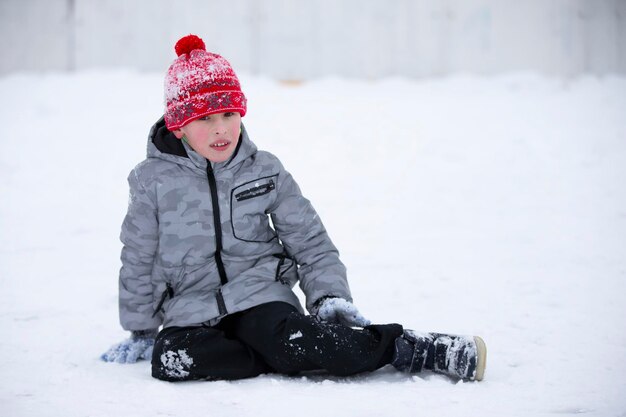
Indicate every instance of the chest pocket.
{"type": "Point", "coordinates": [248, 204]}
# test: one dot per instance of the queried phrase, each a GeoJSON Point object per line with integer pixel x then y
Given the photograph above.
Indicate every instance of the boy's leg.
{"type": "Point", "coordinates": [188, 353]}
{"type": "Point", "coordinates": [291, 342]}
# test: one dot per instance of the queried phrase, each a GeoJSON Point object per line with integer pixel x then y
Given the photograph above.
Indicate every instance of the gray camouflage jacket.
{"type": "Point", "coordinates": [198, 242]}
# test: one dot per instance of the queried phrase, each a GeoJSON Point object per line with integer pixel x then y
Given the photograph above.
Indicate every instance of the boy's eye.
{"type": "Point", "coordinates": [228, 114]}
{"type": "Point", "coordinates": [205, 118]}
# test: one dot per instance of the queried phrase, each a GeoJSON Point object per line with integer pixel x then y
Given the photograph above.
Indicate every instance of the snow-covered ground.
{"type": "Point", "coordinates": [490, 206]}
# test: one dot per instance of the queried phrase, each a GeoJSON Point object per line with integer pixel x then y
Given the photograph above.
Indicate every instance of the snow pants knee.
{"type": "Point", "coordinates": [272, 337]}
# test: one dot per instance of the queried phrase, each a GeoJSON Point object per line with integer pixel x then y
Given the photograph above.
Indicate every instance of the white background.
{"type": "Point", "coordinates": [289, 39]}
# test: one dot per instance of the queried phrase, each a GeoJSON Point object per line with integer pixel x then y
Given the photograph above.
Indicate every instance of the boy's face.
{"type": "Point", "coordinates": [215, 136]}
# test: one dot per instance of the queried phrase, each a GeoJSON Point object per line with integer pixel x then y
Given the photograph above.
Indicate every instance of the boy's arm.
{"type": "Point", "coordinates": [139, 236]}
{"type": "Point", "coordinates": [302, 233]}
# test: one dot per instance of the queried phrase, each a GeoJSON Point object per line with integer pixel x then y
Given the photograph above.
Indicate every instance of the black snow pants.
{"type": "Point", "coordinates": [270, 338]}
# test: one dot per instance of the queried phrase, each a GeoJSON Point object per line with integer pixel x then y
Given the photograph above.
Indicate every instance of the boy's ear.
{"type": "Point", "coordinates": [178, 133]}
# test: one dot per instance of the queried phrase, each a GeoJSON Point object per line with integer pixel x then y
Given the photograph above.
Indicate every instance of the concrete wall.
{"type": "Point", "coordinates": [298, 39]}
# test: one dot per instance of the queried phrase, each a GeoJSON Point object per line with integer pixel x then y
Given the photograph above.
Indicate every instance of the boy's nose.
{"type": "Point", "coordinates": [220, 129]}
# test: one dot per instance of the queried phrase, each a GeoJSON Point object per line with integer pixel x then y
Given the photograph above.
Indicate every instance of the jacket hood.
{"type": "Point", "coordinates": [164, 145]}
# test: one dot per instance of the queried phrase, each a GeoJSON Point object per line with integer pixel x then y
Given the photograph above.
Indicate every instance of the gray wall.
{"type": "Point", "coordinates": [299, 39]}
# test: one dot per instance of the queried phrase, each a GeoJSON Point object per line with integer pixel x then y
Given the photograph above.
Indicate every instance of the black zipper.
{"type": "Point", "coordinates": [221, 305]}
{"type": "Point", "coordinates": [281, 261]}
{"type": "Point", "coordinates": [218, 238]}
{"type": "Point", "coordinates": [169, 291]}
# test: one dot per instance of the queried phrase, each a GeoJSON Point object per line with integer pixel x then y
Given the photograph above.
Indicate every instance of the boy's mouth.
{"type": "Point", "coordinates": [220, 145]}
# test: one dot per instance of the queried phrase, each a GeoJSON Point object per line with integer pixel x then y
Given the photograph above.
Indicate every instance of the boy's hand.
{"type": "Point", "coordinates": [339, 310]}
{"type": "Point", "coordinates": [138, 346]}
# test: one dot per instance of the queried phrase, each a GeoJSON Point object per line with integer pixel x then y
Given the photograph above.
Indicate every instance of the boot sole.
{"type": "Point", "coordinates": [481, 361]}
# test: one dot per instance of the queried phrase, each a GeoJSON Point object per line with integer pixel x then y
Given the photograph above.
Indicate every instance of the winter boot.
{"type": "Point", "coordinates": [457, 356]}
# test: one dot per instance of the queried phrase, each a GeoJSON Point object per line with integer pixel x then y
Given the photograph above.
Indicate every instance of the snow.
{"type": "Point", "coordinates": [295, 335]}
{"type": "Point", "coordinates": [176, 364]}
{"type": "Point", "coordinates": [490, 206]}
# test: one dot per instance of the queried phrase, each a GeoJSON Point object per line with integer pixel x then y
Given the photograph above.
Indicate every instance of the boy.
{"type": "Point", "coordinates": [201, 258]}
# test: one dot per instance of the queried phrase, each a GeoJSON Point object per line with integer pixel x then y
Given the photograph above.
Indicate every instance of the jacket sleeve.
{"type": "Point", "coordinates": [304, 237]}
{"type": "Point", "coordinates": [140, 237]}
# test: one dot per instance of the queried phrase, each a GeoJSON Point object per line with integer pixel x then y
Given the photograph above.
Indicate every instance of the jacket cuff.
{"type": "Point", "coordinates": [144, 334]}
{"type": "Point", "coordinates": [317, 304]}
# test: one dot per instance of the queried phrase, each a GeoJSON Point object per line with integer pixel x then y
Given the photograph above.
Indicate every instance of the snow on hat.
{"type": "Point", "coordinates": [199, 83]}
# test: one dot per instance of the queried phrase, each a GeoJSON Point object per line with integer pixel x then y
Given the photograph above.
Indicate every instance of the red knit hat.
{"type": "Point", "coordinates": [199, 83]}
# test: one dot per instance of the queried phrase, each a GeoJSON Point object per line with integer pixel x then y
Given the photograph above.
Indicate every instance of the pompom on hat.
{"type": "Point", "coordinates": [199, 83]}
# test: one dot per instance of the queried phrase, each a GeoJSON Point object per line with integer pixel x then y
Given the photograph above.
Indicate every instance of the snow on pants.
{"type": "Point", "coordinates": [272, 337]}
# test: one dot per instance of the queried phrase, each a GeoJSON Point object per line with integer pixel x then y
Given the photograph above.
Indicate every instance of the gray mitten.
{"type": "Point", "coordinates": [138, 346]}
